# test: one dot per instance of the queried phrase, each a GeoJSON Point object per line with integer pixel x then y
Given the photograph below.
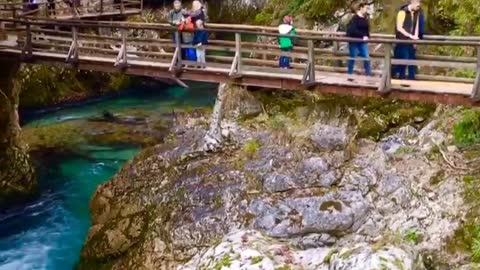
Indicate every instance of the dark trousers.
{"type": "Point", "coordinates": [359, 49]}
{"type": "Point", "coordinates": [407, 52]}
{"type": "Point", "coordinates": [284, 61]}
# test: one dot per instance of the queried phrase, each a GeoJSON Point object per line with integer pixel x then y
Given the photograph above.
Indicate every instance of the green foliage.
{"type": "Point", "coordinates": [412, 236]}
{"type": "Point", "coordinates": [313, 10]}
{"type": "Point", "coordinates": [465, 14]}
{"type": "Point", "coordinates": [467, 130]}
{"type": "Point", "coordinates": [225, 261]}
{"type": "Point", "coordinates": [403, 150]}
{"type": "Point", "coordinates": [233, 11]}
{"type": "Point", "coordinates": [476, 249]}
{"type": "Point", "coordinates": [284, 267]}
{"type": "Point", "coordinates": [256, 260]}
{"type": "Point", "coordinates": [43, 85]}
{"type": "Point", "coordinates": [119, 81]}
{"type": "Point", "coordinates": [251, 148]}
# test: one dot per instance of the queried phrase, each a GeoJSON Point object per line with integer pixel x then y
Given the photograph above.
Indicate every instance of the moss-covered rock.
{"type": "Point", "coordinates": [45, 85]}
{"type": "Point", "coordinates": [17, 176]}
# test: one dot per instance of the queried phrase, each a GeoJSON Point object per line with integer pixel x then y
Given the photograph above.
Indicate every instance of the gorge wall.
{"type": "Point", "coordinates": [17, 176]}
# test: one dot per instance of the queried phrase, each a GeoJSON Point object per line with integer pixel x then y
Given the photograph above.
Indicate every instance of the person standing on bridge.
{"type": "Point", "coordinates": [198, 12]}
{"type": "Point", "coordinates": [200, 41]}
{"type": "Point", "coordinates": [176, 16]}
{"type": "Point", "coordinates": [409, 26]}
{"type": "Point", "coordinates": [286, 42]}
{"type": "Point", "coordinates": [187, 28]}
{"type": "Point", "coordinates": [359, 28]}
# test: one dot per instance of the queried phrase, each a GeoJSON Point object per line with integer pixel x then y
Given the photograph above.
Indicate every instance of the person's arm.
{"type": "Point", "coordinates": [400, 20]}
{"type": "Point", "coordinates": [170, 18]}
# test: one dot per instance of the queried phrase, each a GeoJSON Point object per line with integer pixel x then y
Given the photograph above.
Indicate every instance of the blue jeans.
{"type": "Point", "coordinates": [284, 61]}
{"type": "Point", "coordinates": [359, 49]}
{"type": "Point", "coordinates": [407, 52]}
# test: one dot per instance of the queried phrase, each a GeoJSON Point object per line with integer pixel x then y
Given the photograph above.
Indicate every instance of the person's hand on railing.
{"type": "Point", "coordinates": [414, 37]}
{"type": "Point", "coordinates": [365, 38]}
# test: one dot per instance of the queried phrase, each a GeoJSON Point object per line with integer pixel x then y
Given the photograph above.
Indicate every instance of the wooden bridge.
{"type": "Point", "coordinates": [236, 55]}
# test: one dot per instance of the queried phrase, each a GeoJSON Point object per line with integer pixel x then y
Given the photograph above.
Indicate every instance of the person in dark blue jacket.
{"type": "Point", "coordinates": [200, 41]}
{"type": "Point", "coordinates": [359, 28]}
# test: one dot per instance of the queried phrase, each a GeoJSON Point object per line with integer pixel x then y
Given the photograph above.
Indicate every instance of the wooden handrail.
{"type": "Point", "coordinates": [160, 27]}
{"type": "Point", "coordinates": [129, 50]}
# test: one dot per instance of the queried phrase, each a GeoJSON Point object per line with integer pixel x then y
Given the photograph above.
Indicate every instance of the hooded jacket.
{"type": "Point", "coordinates": [286, 29]}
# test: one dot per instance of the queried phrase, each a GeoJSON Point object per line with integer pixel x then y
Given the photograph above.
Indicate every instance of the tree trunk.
{"type": "Point", "coordinates": [213, 138]}
{"type": "Point", "coordinates": [17, 176]}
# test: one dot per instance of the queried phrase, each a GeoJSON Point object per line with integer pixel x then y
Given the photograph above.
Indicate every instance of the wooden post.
{"type": "Point", "coordinates": [74, 11]}
{"type": "Point", "coordinates": [386, 81]}
{"type": "Point", "coordinates": [264, 56]}
{"type": "Point", "coordinates": [336, 50]}
{"type": "Point", "coordinates": [122, 54]}
{"type": "Point", "coordinates": [122, 7]}
{"type": "Point", "coordinates": [101, 6]}
{"type": "Point", "coordinates": [141, 4]}
{"type": "Point", "coordinates": [236, 68]}
{"type": "Point", "coordinates": [309, 75]}
{"type": "Point", "coordinates": [27, 52]}
{"type": "Point", "coordinates": [476, 86]}
{"type": "Point", "coordinates": [176, 64]}
{"type": "Point", "coordinates": [72, 56]}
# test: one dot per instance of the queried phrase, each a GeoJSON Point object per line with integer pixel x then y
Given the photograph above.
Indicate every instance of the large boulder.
{"type": "Point", "coordinates": [327, 137]}
{"type": "Point", "coordinates": [251, 250]}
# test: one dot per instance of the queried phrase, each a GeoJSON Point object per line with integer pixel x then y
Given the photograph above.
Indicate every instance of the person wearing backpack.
{"type": "Point", "coordinates": [286, 42]}
{"type": "Point", "coordinates": [187, 29]}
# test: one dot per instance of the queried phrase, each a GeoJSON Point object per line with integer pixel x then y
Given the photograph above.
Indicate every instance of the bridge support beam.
{"type": "Point", "coordinates": [17, 176]}
{"type": "Point", "coordinates": [236, 68]}
{"type": "Point", "coordinates": [386, 81]}
{"type": "Point", "coordinates": [309, 75]}
{"type": "Point", "coordinates": [476, 85]}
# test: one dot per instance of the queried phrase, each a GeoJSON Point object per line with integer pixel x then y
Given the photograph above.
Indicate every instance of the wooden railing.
{"type": "Point", "coordinates": [230, 49]}
{"type": "Point", "coordinates": [69, 9]}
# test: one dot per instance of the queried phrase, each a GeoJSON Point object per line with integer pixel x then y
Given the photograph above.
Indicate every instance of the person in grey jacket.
{"type": "Point", "coordinates": [177, 15]}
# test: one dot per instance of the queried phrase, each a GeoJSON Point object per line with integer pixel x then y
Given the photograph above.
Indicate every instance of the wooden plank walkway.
{"type": "Point", "coordinates": [239, 62]}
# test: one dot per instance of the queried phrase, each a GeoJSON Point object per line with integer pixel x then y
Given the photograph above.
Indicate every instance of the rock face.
{"type": "Point", "coordinates": [17, 177]}
{"type": "Point", "coordinates": [307, 183]}
{"type": "Point", "coordinates": [252, 250]}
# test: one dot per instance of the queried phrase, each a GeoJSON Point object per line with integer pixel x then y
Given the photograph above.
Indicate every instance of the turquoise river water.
{"type": "Point", "coordinates": [48, 232]}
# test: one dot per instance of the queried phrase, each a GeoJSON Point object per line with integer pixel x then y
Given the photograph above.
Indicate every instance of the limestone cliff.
{"type": "Point", "coordinates": [17, 177]}
{"type": "Point", "coordinates": [322, 175]}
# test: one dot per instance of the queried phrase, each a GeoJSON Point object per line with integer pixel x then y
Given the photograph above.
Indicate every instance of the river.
{"type": "Point", "coordinates": [48, 233]}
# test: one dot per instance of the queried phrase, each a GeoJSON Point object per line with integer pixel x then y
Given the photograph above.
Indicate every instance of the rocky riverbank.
{"type": "Point", "coordinates": [301, 181]}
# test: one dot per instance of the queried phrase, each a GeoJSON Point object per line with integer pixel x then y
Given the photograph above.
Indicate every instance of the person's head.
{"type": "Point", "coordinates": [188, 19]}
{"type": "Point", "coordinates": [199, 24]}
{"type": "Point", "coordinates": [177, 4]}
{"type": "Point", "coordinates": [415, 5]}
{"type": "Point", "coordinates": [288, 20]}
{"type": "Point", "coordinates": [196, 5]}
{"type": "Point", "coordinates": [361, 8]}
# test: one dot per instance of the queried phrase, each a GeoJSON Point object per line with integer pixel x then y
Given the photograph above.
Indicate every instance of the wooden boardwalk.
{"type": "Point", "coordinates": [244, 62]}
